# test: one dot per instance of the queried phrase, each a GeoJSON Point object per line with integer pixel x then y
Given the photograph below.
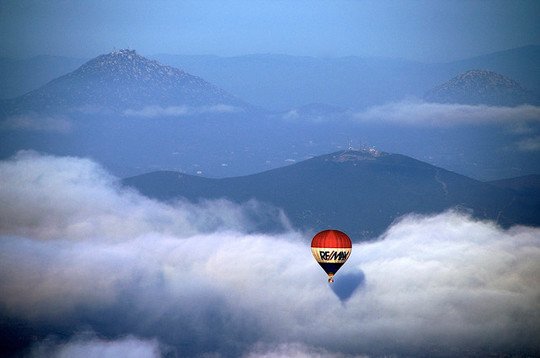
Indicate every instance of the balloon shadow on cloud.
{"type": "Point", "coordinates": [347, 283]}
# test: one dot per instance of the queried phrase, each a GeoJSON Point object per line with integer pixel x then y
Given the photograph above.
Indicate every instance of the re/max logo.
{"type": "Point", "coordinates": [334, 255]}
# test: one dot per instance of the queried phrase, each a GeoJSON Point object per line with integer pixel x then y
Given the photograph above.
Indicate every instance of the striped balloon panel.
{"type": "Point", "coordinates": [331, 238]}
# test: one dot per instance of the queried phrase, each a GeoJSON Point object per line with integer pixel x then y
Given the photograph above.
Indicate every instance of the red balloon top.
{"type": "Point", "coordinates": [331, 238]}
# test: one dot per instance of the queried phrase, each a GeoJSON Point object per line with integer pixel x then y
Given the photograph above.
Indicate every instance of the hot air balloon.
{"type": "Point", "coordinates": [331, 248]}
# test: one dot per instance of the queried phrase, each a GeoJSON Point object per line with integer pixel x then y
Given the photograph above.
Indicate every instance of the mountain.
{"type": "Point", "coordinates": [121, 81]}
{"type": "Point", "coordinates": [348, 82]}
{"type": "Point", "coordinates": [528, 185]}
{"type": "Point", "coordinates": [279, 82]}
{"type": "Point", "coordinates": [360, 192]}
{"type": "Point", "coordinates": [481, 87]}
{"type": "Point", "coordinates": [103, 111]}
{"type": "Point", "coordinates": [521, 64]}
{"type": "Point", "coordinates": [20, 76]}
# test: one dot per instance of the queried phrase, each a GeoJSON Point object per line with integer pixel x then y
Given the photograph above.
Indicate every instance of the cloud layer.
{"type": "Point", "coordinates": [441, 114]}
{"type": "Point", "coordinates": [78, 252]}
{"type": "Point", "coordinates": [87, 345]}
{"type": "Point", "coordinates": [179, 111]}
{"type": "Point", "coordinates": [50, 198]}
{"type": "Point", "coordinates": [520, 124]}
{"type": "Point", "coordinates": [36, 123]}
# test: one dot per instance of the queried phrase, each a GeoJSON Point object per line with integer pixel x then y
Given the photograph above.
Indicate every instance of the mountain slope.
{"type": "Point", "coordinates": [521, 64]}
{"type": "Point", "coordinates": [20, 76]}
{"type": "Point", "coordinates": [528, 185]}
{"type": "Point", "coordinates": [119, 81]}
{"type": "Point", "coordinates": [359, 192]}
{"type": "Point", "coordinates": [481, 87]}
{"type": "Point", "coordinates": [349, 82]}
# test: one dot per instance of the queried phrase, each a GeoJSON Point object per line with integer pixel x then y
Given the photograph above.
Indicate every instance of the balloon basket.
{"type": "Point", "coordinates": [330, 278]}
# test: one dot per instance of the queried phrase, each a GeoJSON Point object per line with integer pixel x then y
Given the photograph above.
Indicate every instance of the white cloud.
{"type": "Point", "coordinates": [179, 111]}
{"type": "Point", "coordinates": [51, 197]}
{"type": "Point", "coordinates": [291, 115]}
{"type": "Point", "coordinates": [531, 144]}
{"type": "Point", "coordinates": [445, 283]}
{"type": "Point", "coordinates": [30, 122]}
{"type": "Point", "coordinates": [158, 111]}
{"type": "Point", "coordinates": [439, 114]}
{"type": "Point", "coordinates": [292, 350]}
{"type": "Point", "coordinates": [89, 346]}
{"type": "Point", "coordinates": [218, 108]}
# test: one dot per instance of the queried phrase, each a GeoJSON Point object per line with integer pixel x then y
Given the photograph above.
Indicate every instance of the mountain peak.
{"type": "Point", "coordinates": [124, 52]}
{"type": "Point", "coordinates": [360, 191]}
{"type": "Point", "coordinates": [489, 77]}
{"type": "Point", "coordinates": [481, 87]}
{"type": "Point", "coordinates": [123, 81]}
{"type": "Point", "coordinates": [126, 65]}
{"type": "Point", "coordinates": [355, 155]}
{"type": "Point", "coordinates": [119, 56]}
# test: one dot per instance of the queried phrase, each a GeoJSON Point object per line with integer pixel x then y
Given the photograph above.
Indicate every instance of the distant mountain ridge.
{"type": "Point", "coordinates": [20, 76]}
{"type": "Point", "coordinates": [528, 185]}
{"type": "Point", "coordinates": [102, 110]}
{"type": "Point", "coordinates": [280, 82]}
{"type": "Point", "coordinates": [481, 87]}
{"type": "Point", "coordinates": [348, 82]}
{"type": "Point", "coordinates": [358, 191]}
{"type": "Point", "coordinates": [119, 81]}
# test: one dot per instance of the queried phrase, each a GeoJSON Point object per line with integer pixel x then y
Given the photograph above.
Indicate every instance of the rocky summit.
{"type": "Point", "coordinates": [481, 87]}
{"type": "Point", "coordinates": [119, 81]}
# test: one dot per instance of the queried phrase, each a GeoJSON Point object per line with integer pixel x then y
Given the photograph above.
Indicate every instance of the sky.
{"type": "Point", "coordinates": [425, 30]}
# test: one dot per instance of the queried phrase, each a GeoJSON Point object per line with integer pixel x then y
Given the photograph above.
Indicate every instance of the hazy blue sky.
{"type": "Point", "coordinates": [419, 30]}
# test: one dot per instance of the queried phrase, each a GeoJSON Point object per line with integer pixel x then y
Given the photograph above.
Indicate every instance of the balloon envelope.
{"type": "Point", "coordinates": [331, 248]}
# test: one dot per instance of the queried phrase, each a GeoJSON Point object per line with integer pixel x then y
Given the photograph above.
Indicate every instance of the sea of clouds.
{"type": "Point", "coordinates": [180, 111]}
{"type": "Point", "coordinates": [92, 269]}
{"type": "Point", "coordinates": [416, 112]}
